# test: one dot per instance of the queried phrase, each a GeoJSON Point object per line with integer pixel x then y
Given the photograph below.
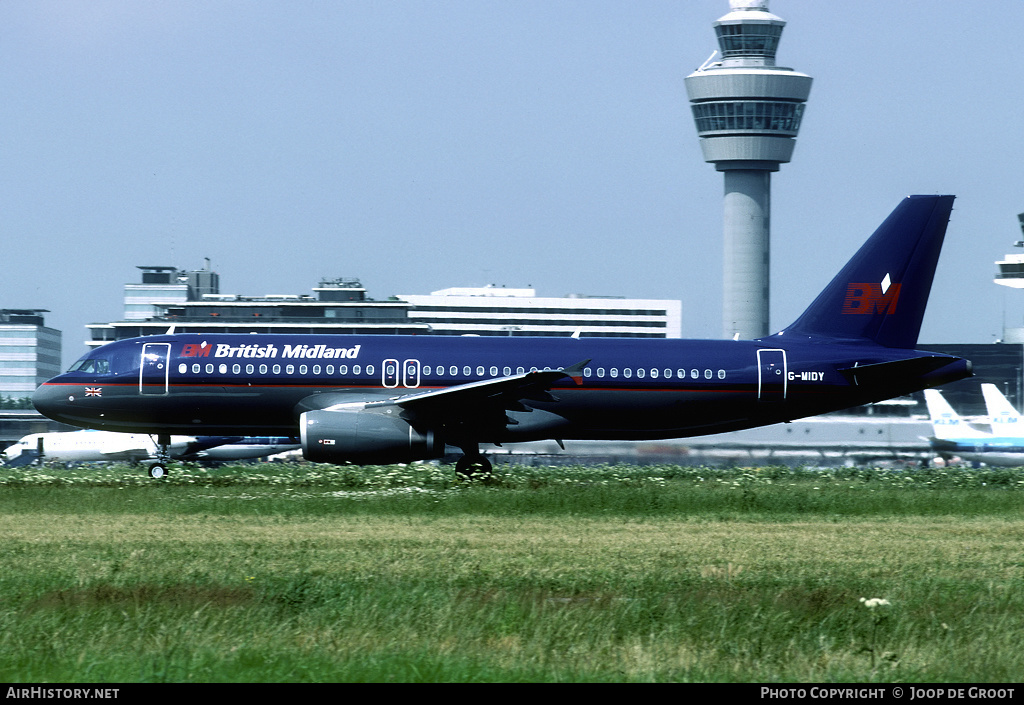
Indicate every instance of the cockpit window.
{"type": "Point", "coordinates": [91, 366]}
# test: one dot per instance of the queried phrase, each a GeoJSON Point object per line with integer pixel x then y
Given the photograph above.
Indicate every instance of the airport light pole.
{"type": "Point", "coordinates": [748, 113]}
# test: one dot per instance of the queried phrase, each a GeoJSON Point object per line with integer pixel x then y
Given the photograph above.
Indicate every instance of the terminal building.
{"type": "Point", "coordinates": [492, 310]}
{"type": "Point", "coordinates": [30, 353]}
{"type": "Point", "coordinates": [191, 302]}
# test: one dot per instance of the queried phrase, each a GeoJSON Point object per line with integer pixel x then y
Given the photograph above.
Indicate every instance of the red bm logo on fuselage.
{"type": "Point", "coordinates": [196, 350]}
{"type": "Point", "coordinates": [871, 298]}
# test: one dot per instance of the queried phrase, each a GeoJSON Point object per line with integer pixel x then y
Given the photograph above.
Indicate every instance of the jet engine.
{"type": "Point", "coordinates": [360, 436]}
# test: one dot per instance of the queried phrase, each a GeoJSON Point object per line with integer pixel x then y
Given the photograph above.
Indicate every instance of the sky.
{"type": "Point", "coordinates": [423, 144]}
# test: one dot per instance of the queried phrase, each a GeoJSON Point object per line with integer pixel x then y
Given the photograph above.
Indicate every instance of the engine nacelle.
{"type": "Point", "coordinates": [359, 436]}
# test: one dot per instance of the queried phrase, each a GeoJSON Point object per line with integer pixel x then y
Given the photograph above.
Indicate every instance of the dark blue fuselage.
{"type": "Point", "coordinates": [629, 389]}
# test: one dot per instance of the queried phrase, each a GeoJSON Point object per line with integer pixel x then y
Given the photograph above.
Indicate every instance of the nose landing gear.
{"type": "Point", "coordinates": [158, 468]}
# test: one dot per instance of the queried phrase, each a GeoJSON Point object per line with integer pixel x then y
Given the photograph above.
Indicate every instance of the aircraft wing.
{"type": "Point", "coordinates": [198, 445]}
{"type": "Point", "coordinates": [130, 454]}
{"type": "Point", "coordinates": [508, 392]}
{"type": "Point", "coordinates": [477, 405]}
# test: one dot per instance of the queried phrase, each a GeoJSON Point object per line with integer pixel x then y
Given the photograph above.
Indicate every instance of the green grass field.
{"type": "Point", "coordinates": [317, 573]}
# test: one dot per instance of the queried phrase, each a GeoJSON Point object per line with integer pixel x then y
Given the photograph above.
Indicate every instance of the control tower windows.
{"type": "Point", "coordinates": [748, 115]}
{"type": "Point", "coordinates": [748, 39]}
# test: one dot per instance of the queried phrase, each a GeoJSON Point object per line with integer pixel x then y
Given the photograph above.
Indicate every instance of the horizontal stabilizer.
{"type": "Point", "coordinates": [26, 457]}
{"type": "Point", "coordinates": [893, 373]}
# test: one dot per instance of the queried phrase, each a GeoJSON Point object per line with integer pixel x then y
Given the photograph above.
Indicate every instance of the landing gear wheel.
{"type": "Point", "coordinates": [473, 467]}
{"type": "Point", "coordinates": [157, 471]}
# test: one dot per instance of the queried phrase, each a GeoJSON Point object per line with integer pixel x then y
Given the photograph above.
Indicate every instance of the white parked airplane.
{"type": "Point", "coordinates": [93, 446]}
{"type": "Point", "coordinates": [953, 437]}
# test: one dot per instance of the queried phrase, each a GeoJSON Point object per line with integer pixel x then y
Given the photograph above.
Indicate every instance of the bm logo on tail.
{"type": "Point", "coordinates": [872, 298]}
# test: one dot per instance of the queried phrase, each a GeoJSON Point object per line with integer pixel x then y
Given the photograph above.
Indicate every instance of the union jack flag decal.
{"type": "Point", "coordinates": [94, 391]}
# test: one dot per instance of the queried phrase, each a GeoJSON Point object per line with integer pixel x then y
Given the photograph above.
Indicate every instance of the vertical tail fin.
{"type": "Point", "coordinates": [1006, 421]}
{"type": "Point", "coordinates": [946, 423]}
{"type": "Point", "coordinates": [881, 293]}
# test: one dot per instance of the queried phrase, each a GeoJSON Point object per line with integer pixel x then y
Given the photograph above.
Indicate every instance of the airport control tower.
{"type": "Point", "coordinates": [748, 113]}
{"type": "Point", "coordinates": [1011, 274]}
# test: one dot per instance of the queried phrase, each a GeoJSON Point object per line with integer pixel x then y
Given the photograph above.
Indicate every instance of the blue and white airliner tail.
{"type": "Point", "coordinates": [947, 424]}
{"type": "Point", "coordinates": [954, 438]}
{"type": "Point", "coordinates": [1005, 421]}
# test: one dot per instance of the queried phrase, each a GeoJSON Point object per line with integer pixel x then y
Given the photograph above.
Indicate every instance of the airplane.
{"type": "Point", "coordinates": [955, 438]}
{"type": "Point", "coordinates": [389, 399]}
{"type": "Point", "coordinates": [98, 446]}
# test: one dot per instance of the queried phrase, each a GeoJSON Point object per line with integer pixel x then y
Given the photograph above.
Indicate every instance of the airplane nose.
{"type": "Point", "coordinates": [48, 401]}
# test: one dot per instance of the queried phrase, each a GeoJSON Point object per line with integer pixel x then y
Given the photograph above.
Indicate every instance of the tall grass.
{"type": "Point", "coordinates": [308, 573]}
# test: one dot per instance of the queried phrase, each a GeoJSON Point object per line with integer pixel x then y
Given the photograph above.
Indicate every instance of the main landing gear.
{"type": "Point", "coordinates": [158, 468]}
{"type": "Point", "coordinates": [473, 465]}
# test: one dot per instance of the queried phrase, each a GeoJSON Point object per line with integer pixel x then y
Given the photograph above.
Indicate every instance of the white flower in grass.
{"type": "Point", "coordinates": [875, 602]}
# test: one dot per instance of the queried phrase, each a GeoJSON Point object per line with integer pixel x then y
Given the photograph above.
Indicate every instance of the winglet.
{"type": "Point", "coordinates": [575, 372]}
